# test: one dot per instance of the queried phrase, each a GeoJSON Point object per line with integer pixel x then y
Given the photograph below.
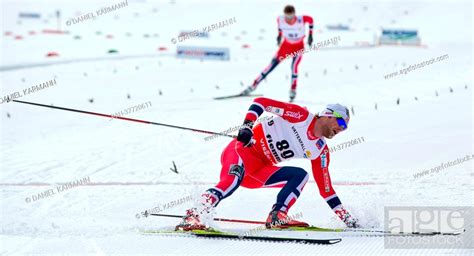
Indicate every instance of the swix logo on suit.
{"type": "Point", "coordinates": [281, 140]}
{"type": "Point", "coordinates": [294, 32]}
{"type": "Point", "coordinates": [296, 115]}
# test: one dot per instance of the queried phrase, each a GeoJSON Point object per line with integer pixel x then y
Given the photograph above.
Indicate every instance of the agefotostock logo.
{"type": "Point", "coordinates": [451, 227]}
{"type": "Point", "coordinates": [443, 166]}
{"type": "Point", "coordinates": [417, 66]}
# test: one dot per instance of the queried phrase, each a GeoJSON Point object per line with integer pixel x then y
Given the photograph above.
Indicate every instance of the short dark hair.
{"type": "Point", "coordinates": [289, 9]}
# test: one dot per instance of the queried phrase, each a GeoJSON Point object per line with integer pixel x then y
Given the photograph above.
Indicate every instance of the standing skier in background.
{"type": "Point", "coordinates": [292, 29]}
{"type": "Point", "coordinates": [251, 160]}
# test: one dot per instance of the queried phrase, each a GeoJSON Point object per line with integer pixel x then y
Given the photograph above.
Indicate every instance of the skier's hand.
{"type": "Point", "coordinates": [310, 40]}
{"type": "Point", "coordinates": [246, 134]}
{"type": "Point", "coordinates": [351, 222]}
{"type": "Point", "coordinates": [278, 40]}
{"type": "Point", "coordinates": [347, 218]}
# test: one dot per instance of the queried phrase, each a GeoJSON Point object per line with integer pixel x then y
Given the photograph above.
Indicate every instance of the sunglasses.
{"type": "Point", "coordinates": [340, 120]}
{"type": "Point", "coordinates": [289, 16]}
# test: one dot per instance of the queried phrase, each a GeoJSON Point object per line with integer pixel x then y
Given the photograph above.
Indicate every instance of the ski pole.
{"type": "Point", "coordinates": [125, 118]}
{"type": "Point", "coordinates": [146, 214]}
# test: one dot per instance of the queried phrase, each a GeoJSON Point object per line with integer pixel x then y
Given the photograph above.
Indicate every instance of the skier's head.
{"type": "Point", "coordinates": [332, 120]}
{"type": "Point", "coordinates": [289, 12]}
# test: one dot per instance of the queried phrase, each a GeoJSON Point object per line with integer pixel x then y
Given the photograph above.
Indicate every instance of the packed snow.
{"type": "Point", "coordinates": [95, 175]}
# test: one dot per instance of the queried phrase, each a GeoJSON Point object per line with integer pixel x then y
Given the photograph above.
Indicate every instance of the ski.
{"type": "Point", "coordinates": [371, 232]}
{"type": "Point", "coordinates": [236, 96]}
{"type": "Point", "coordinates": [234, 236]}
{"type": "Point", "coordinates": [353, 231]}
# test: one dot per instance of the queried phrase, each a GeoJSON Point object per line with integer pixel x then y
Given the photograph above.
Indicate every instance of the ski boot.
{"type": "Point", "coordinates": [191, 221]}
{"type": "Point", "coordinates": [247, 91]}
{"type": "Point", "coordinates": [292, 95]}
{"type": "Point", "coordinates": [280, 219]}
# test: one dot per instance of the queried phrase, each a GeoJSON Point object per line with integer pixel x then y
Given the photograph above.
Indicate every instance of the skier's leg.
{"type": "Point", "coordinates": [294, 75]}
{"type": "Point", "coordinates": [232, 173]}
{"type": "Point", "coordinates": [293, 180]}
{"type": "Point", "coordinates": [275, 61]}
{"type": "Point", "coordinates": [237, 161]}
{"type": "Point", "coordinates": [265, 72]}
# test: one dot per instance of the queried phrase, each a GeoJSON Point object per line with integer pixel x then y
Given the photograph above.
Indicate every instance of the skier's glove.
{"type": "Point", "coordinates": [278, 40]}
{"type": "Point", "coordinates": [310, 40]}
{"type": "Point", "coordinates": [346, 217]}
{"type": "Point", "coordinates": [246, 134]}
{"type": "Point", "coordinates": [351, 222]}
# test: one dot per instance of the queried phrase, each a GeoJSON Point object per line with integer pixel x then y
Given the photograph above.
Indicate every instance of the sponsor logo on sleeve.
{"type": "Point", "coordinates": [296, 115]}
{"type": "Point", "coordinates": [326, 180]}
{"type": "Point", "coordinates": [324, 167]}
{"type": "Point", "coordinates": [324, 163]}
{"type": "Point", "coordinates": [275, 110]}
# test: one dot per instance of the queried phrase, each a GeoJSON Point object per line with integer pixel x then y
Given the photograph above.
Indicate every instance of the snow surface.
{"type": "Point", "coordinates": [129, 163]}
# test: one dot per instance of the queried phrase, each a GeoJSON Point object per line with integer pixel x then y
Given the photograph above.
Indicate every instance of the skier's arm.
{"type": "Point", "coordinates": [321, 175]}
{"type": "Point", "coordinates": [288, 111]}
{"type": "Point", "coordinates": [309, 20]}
{"type": "Point", "coordinates": [279, 32]}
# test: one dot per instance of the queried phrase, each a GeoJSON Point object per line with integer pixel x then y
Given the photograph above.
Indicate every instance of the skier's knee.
{"type": "Point", "coordinates": [299, 174]}
{"type": "Point", "coordinates": [300, 177]}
